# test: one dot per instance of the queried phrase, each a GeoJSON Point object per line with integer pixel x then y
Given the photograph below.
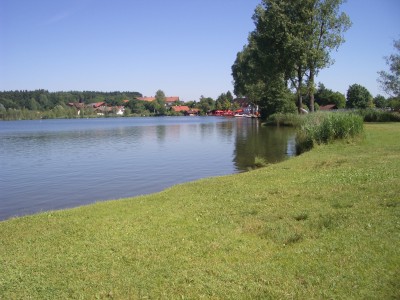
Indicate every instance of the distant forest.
{"type": "Point", "coordinates": [45, 100]}
{"type": "Point", "coordinates": [44, 104]}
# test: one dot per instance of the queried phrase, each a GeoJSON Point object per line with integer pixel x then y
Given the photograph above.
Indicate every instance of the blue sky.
{"type": "Point", "coordinates": [184, 47]}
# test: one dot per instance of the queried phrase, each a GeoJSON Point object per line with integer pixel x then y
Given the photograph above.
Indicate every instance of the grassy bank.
{"type": "Point", "coordinates": [322, 225]}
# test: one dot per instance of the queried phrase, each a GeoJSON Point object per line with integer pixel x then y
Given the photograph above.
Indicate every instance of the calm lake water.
{"type": "Point", "coordinates": [55, 164]}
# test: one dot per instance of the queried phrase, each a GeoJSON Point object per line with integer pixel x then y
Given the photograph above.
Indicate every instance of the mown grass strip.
{"type": "Point", "coordinates": [319, 226]}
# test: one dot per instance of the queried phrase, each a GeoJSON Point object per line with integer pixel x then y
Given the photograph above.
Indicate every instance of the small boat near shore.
{"type": "Point", "coordinates": [246, 116]}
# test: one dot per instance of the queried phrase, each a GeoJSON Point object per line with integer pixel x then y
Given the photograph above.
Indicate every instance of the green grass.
{"type": "Point", "coordinates": [324, 225]}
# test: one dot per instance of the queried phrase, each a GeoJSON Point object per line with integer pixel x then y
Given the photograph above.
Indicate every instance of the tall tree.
{"type": "Point", "coordinates": [257, 71]}
{"type": "Point", "coordinates": [390, 81]}
{"type": "Point", "coordinates": [380, 101]}
{"type": "Point", "coordinates": [358, 97]}
{"type": "Point", "coordinates": [326, 27]}
{"type": "Point", "coordinates": [281, 47]}
{"type": "Point", "coordinates": [224, 101]}
{"type": "Point", "coordinates": [324, 96]}
{"type": "Point", "coordinates": [292, 38]}
{"type": "Point", "coordinates": [160, 102]}
{"type": "Point", "coordinates": [246, 70]}
{"type": "Point", "coordinates": [160, 96]}
{"type": "Point", "coordinates": [206, 104]}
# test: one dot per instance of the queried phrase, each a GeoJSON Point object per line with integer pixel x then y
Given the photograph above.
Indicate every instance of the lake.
{"type": "Point", "coordinates": [56, 164]}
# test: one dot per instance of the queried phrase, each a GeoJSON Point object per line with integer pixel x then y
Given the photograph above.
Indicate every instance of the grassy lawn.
{"type": "Point", "coordinates": [324, 225]}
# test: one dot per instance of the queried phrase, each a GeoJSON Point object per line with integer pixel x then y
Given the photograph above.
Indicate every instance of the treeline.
{"type": "Point", "coordinates": [45, 100]}
{"type": "Point", "coordinates": [39, 104]}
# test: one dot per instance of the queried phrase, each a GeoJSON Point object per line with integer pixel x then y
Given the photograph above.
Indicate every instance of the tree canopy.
{"type": "Point", "coordinates": [325, 96]}
{"type": "Point", "coordinates": [45, 100]}
{"type": "Point", "coordinates": [380, 101]}
{"type": "Point", "coordinates": [224, 101]}
{"type": "Point", "coordinates": [390, 81]}
{"type": "Point", "coordinates": [358, 97]}
{"type": "Point", "coordinates": [159, 105]}
{"type": "Point", "coordinates": [290, 44]}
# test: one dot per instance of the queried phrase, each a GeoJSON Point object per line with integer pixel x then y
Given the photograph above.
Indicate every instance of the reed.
{"type": "Point", "coordinates": [282, 119]}
{"type": "Point", "coordinates": [377, 115]}
{"type": "Point", "coordinates": [321, 128]}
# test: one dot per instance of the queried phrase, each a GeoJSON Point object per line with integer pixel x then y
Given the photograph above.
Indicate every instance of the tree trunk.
{"type": "Point", "coordinates": [300, 85]}
{"type": "Point", "coordinates": [311, 88]}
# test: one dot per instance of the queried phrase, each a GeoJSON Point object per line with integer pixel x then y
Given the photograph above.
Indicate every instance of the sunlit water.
{"type": "Point", "coordinates": [54, 164]}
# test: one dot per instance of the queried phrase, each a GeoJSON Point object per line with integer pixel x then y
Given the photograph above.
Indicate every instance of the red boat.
{"type": "Point", "coordinates": [223, 113]}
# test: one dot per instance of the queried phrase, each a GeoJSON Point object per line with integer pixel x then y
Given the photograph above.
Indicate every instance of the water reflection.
{"type": "Point", "coordinates": [274, 144]}
{"type": "Point", "coordinates": [161, 132]}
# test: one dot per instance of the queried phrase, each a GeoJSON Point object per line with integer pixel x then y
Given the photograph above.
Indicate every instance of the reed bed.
{"type": "Point", "coordinates": [321, 128]}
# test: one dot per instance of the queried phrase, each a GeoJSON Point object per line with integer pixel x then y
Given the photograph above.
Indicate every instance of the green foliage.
{"type": "Point", "coordinates": [44, 104]}
{"type": "Point", "coordinates": [327, 26]}
{"type": "Point", "coordinates": [390, 81]}
{"type": "Point", "coordinates": [380, 101]}
{"type": "Point", "coordinates": [338, 99]}
{"type": "Point", "coordinates": [358, 97]}
{"type": "Point", "coordinates": [394, 103]}
{"type": "Point", "coordinates": [114, 102]}
{"type": "Point", "coordinates": [224, 101]}
{"type": "Point", "coordinates": [276, 99]}
{"type": "Point", "coordinates": [377, 115]}
{"type": "Point", "coordinates": [288, 119]}
{"type": "Point", "coordinates": [205, 105]}
{"type": "Point", "coordinates": [304, 141]}
{"type": "Point", "coordinates": [324, 96]}
{"type": "Point", "coordinates": [160, 96]}
{"type": "Point", "coordinates": [127, 112]}
{"type": "Point", "coordinates": [325, 127]}
{"type": "Point", "coordinates": [245, 72]}
{"type": "Point", "coordinates": [292, 39]}
{"type": "Point", "coordinates": [191, 104]}
{"type": "Point", "coordinates": [19, 114]}
{"type": "Point", "coordinates": [136, 106]}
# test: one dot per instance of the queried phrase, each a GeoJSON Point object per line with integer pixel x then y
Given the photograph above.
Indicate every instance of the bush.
{"type": "Point", "coordinates": [325, 127]}
{"type": "Point", "coordinates": [282, 119]}
{"type": "Point", "coordinates": [376, 115]}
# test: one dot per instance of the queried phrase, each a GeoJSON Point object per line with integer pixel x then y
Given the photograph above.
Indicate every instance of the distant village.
{"type": "Point", "coordinates": [240, 107]}
{"type": "Point", "coordinates": [42, 104]}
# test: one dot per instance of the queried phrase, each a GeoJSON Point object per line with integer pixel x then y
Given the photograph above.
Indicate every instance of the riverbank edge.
{"type": "Point", "coordinates": [319, 225]}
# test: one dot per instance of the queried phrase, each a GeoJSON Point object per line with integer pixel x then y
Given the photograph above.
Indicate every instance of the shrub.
{"type": "Point", "coordinates": [376, 115]}
{"type": "Point", "coordinates": [282, 119]}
